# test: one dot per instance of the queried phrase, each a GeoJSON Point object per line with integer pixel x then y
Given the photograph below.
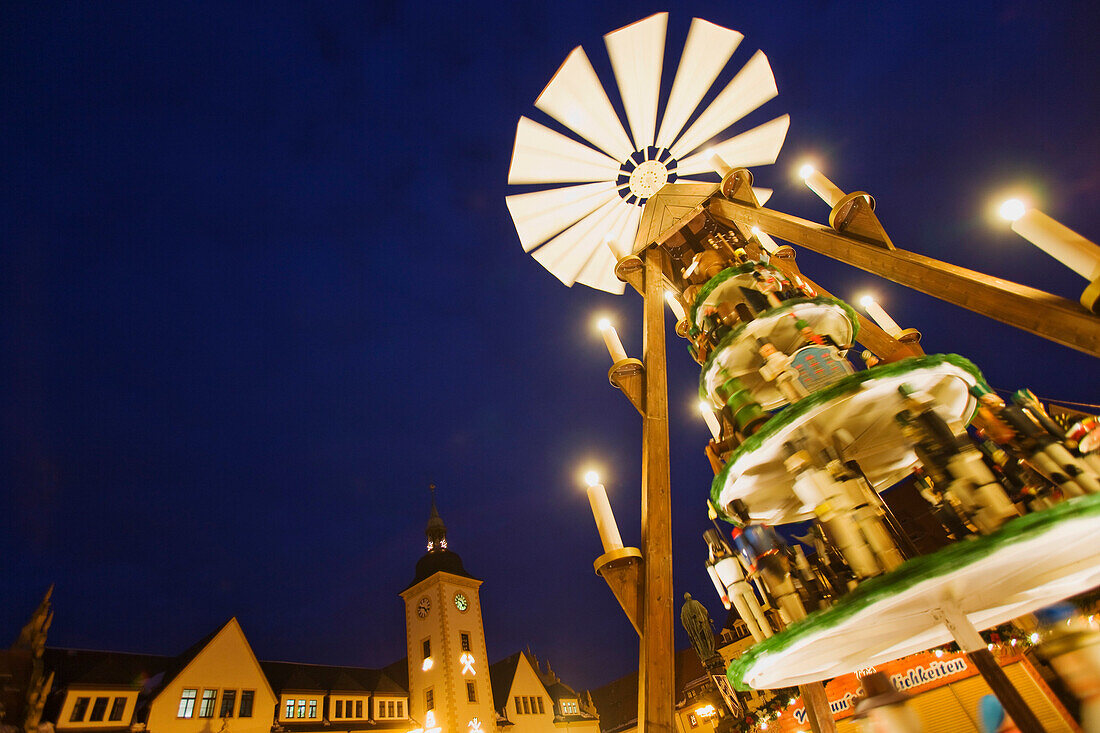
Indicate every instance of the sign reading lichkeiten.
{"type": "Point", "coordinates": [913, 674]}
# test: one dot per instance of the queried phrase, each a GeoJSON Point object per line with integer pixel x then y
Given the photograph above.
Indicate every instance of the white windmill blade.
{"type": "Point", "coordinates": [565, 227]}
{"type": "Point", "coordinates": [758, 146]}
{"type": "Point", "coordinates": [753, 85]}
{"type": "Point", "coordinates": [542, 214]}
{"type": "Point", "coordinates": [566, 254]}
{"type": "Point", "coordinates": [637, 54]}
{"type": "Point", "coordinates": [706, 52]}
{"type": "Point", "coordinates": [575, 98]}
{"type": "Point", "coordinates": [599, 271]}
{"type": "Point", "coordinates": [542, 155]}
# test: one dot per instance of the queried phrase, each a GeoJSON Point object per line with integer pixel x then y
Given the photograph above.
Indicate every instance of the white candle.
{"type": "Point", "coordinates": [710, 420]}
{"type": "Point", "coordinates": [720, 166]}
{"type": "Point", "coordinates": [822, 186]}
{"type": "Point", "coordinates": [766, 241]}
{"type": "Point", "coordinates": [601, 511]}
{"type": "Point", "coordinates": [611, 245]}
{"type": "Point", "coordinates": [674, 304]}
{"type": "Point", "coordinates": [1054, 238]}
{"type": "Point", "coordinates": [879, 316]}
{"type": "Point", "coordinates": [611, 340]}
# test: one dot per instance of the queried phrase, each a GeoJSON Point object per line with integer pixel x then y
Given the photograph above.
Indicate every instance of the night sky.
{"type": "Point", "coordinates": [259, 287]}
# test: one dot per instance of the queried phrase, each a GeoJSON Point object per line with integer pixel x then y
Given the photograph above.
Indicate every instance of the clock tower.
{"type": "Point", "coordinates": [449, 688]}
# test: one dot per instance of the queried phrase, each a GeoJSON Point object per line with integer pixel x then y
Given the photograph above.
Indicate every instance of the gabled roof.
{"type": "Point", "coordinates": [80, 666]}
{"type": "Point", "coordinates": [501, 675]}
{"type": "Point", "coordinates": [180, 663]}
{"type": "Point", "coordinates": [285, 676]}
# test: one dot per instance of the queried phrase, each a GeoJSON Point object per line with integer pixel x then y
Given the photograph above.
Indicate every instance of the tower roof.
{"type": "Point", "coordinates": [438, 558]}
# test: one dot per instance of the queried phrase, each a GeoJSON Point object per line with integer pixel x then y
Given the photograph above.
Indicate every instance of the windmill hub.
{"type": "Point", "coordinates": [643, 174]}
{"type": "Point", "coordinates": [648, 178]}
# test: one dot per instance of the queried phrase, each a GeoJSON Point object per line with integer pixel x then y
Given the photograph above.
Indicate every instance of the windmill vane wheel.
{"type": "Point", "coordinates": [587, 214]}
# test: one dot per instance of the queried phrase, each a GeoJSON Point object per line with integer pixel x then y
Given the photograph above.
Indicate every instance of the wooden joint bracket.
{"type": "Point", "coordinates": [854, 215]}
{"type": "Point", "coordinates": [629, 376]}
{"type": "Point", "coordinates": [737, 186]}
{"type": "Point", "coordinates": [631, 270]}
{"type": "Point", "coordinates": [622, 569]}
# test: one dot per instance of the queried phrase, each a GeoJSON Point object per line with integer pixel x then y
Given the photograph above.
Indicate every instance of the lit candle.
{"type": "Point", "coordinates": [879, 316]}
{"type": "Point", "coordinates": [674, 304]}
{"type": "Point", "coordinates": [766, 241]}
{"type": "Point", "coordinates": [611, 340]}
{"type": "Point", "coordinates": [1057, 240]}
{"type": "Point", "coordinates": [601, 510]}
{"type": "Point", "coordinates": [710, 420]}
{"type": "Point", "coordinates": [819, 184]}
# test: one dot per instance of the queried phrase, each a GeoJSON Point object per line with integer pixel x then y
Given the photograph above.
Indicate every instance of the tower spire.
{"type": "Point", "coordinates": [436, 531]}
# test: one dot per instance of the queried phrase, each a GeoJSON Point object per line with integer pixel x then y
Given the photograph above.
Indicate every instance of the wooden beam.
{"type": "Point", "coordinates": [656, 680]}
{"type": "Point", "coordinates": [1043, 314]}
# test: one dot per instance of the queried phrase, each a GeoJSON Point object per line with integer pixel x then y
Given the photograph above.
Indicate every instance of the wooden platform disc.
{"type": "Point", "coordinates": [865, 405]}
{"type": "Point", "coordinates": [1029, 563]}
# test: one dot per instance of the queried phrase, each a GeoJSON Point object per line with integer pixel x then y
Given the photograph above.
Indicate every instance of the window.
{"type": "Point", "coordinates": [206, 705]}
{"type": "Point", "coordinates": [429, 699]}
{"type": "Point", "coordinates": [401, 708]}
{"type": "Point", "coordinates": [81, 706]}
{"type": "Point", "coordinates": [692, 721]}
{"type": "Point", "coordinates": [117, 708]}
{"type": "Point", "coordinates": [229, 701]}
{"type": "Point", "coordinates": [539, 701]}
{"type": "Point", "coordinates": [246, 704]}
{"type": "Point", "coordinates": [390, 709]}
{"type": "Point", "coordinates": [518, 711]}
{"type": "Point", "coordinates": [301, 708]}
{"type": "Point", "coordinates": [99, 709]}
{"type": "Point", "coordinates": [569, 707]}
{"type": "Point", "coordinates": [465, 638]}
{"type": "Point", "coordinates": [471, 691]}
{"type": "Point", "coordinates": [313, 708]}
{"type": "Point", "coordinates": [187, 704]}
{"type": "Point", "coordinates": [289, 708]}
{"type": "Point", "coordinates": [426, 647]}
{"type": "Point", "coordinates": [359, 708]}
{"type": "Point", "coordinates": [339, 709]}
{"type": "Point", "coordinates": [526, 705]}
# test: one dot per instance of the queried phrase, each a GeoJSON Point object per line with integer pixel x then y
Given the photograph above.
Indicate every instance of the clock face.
{"type": "Point", "coordinates": [461, 603]}
{"type": "Point", "coordinates": [423, 607]}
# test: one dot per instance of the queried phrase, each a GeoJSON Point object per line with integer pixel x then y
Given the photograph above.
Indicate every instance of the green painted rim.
{"type": "Point", "coordinates": [913, 571]}
{"type": "Point", "coordinates": [849, 384]}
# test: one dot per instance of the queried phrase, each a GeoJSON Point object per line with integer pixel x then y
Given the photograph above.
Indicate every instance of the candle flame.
{"type": "Point", "coordinates": [603, 324]}
{"type": "Point", "coordinates": [806, 171]}
{"type": "Point", "coordinates": [592, 478]}
{"type": "Point", "coordinates": [867, 301]}
{"type": "Point", "coordinates": [1012, 209]}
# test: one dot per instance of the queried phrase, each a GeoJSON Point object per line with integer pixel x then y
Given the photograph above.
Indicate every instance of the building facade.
{"type": "Point", "coordinates": [443, 685]}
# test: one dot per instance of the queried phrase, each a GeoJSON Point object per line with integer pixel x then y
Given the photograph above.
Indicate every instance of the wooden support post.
{"type": "Point", "coordinates": [816, 703]}
{"type": "Point", "coordinates": [656, 693]}
{"type": "Point", "coordinates": [970, 641]}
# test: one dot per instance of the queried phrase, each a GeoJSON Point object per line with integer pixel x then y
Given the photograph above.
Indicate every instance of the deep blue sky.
{"type": "Point", "coordinates": [258, 287]}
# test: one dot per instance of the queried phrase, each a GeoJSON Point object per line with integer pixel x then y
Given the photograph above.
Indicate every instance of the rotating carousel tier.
{"type": "Point", "coordinates": [1029, 563]}
{"type": "Point", "coordinates": [864, 404]}
{"type": "Point", "coordinates": [737, 284]}
{"type": "Point", "coordinates": [738, 355]}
